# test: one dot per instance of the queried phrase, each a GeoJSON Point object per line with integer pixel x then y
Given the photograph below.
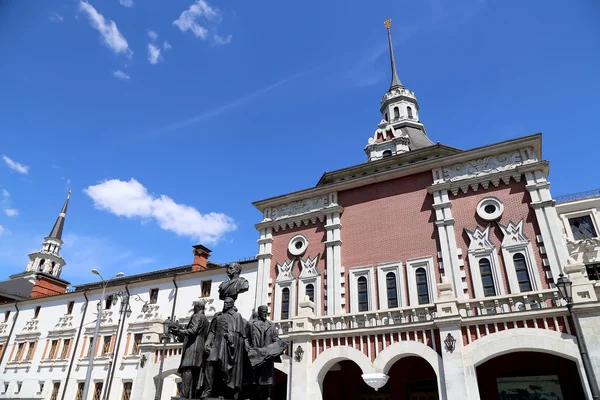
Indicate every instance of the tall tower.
{"type": "Point", "coordinates": [400, 129]}
{"type": "Point", "coordinates": [48, 259]}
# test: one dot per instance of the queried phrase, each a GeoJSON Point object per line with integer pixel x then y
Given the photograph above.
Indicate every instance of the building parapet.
{"type": "Point", "coordinates": [577, 196]}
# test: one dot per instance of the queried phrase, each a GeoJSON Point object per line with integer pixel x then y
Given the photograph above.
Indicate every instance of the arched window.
{"type": "Point", "coordinates": [522, 273]}
{"type": "Point", "coordinates": [310, 292]}
{"type": "Point", "coordinates": [396, 113]}
{"type": "Point", "coordinates": [285, 303]}
{"type": "Point", "coordinates": [485, 269]}
{"type": "Point", "coordinates": [363, 294]}
{"type": "Point", "coordinates": [392, 290]}
{"type": "Point", "coordinates": [41, 264]}
{"type": "Point", "coordinates": [409, 112]}
{"type": "Point", "coordinates": [387, 153]}
{"type": "Point", "coordinates": [386, 117]}
{"type": "Point", "coordinates": [422, 286]}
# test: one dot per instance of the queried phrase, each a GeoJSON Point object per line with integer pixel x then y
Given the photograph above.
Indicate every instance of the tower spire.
{"type": "Point", "coordinates": [395, 80]}
{"type": "Point", "coordinates": [57, 229]}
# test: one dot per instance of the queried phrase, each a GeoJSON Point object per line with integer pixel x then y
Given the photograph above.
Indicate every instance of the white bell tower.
{"type": "Point", "coordinates": [400, 129]}
{"type": "Point", "coordinates": [48, 259]}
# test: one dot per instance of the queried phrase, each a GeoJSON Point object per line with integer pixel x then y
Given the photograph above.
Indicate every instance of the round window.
{"type": "Point", "coordinates": [297, 245]}
{"type": "Point", "coordinates": [490, 208]}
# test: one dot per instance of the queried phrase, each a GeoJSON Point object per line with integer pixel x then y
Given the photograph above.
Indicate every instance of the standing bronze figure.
{"type": "Point", "coordinates": [264, 350]}
{"type": "Point", "coordinates": [193, 336]}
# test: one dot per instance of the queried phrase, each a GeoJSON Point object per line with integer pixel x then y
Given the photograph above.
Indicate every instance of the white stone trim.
{"type": "Point", "coordinates": [335, 292]}
{"type": "Point", "coordinates": [411, 267]}
{"type": "Point", "coordinates": [356, 273]}
{"type": "Point", "coordinates": [490, 201]}
{"type": "Point", "coordinates": [447, 239]}
{"type": "Point", "coordinates": [316, 282]}
{"type": "Point", "coordinates": [515, 241]}
{"type": "Point", "coordinates": [279, 286]}
{"type": "Point", "coordinates": [548, 221]}
{"type": "Point", "coordinates": [382, 271]}
{"type": "Point", "coordinates": [481, 247]}
{"type": "Point", "coordinates": [265, 245]}
{"type": "Point", "coordinates": [301, 239]}
{"type": "Point", "coordinates": [576, 214]}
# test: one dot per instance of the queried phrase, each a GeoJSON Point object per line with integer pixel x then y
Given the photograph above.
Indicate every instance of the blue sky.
{"type": "Point", "coordinates": [168, 118]}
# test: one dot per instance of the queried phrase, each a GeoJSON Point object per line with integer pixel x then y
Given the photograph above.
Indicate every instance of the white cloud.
{"type": "Point", "coordinates": [6, 205]}
{"type": "Point", "coordinates": [1, 230]}
{"type": "Point", "coordinates": [23, 169]}
{"type": "Point", "coordinates": [201, 13]}
{"type": "Point", "coordinates": [56, 17]}
{"type": "Point", "coordinates": [132, 200]}
{"type": "Point", "coordinates": [126, 3]}
{"type": "Point", "coordinates": [121, 75]}
{"type": "Point", "coordinates": [108, 29]}
{"type": "Point", "coordinates": [166, 45]}
{"type": "Point", "coordinates": [153, 54]}
{"type": "Point", "coordinates": [153, 35]}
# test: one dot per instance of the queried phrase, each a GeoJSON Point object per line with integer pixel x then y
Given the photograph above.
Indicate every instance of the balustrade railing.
{"type": "Point", "coordinates": [510, 303]}
{"type": "Point", "coordinates": [577, 196]}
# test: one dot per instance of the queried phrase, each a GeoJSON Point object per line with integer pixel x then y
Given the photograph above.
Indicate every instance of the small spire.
{"type": "Point", "coordinates": [57, 229]}
{"type": "Point", "coordinates": [395, 80]}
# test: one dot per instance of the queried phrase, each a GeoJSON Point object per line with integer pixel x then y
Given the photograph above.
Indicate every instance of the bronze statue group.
{"type": "Point", "coordinates": [230, 358]}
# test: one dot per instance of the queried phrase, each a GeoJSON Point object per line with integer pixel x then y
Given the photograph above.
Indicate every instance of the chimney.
{"type": "Point", "coordinates": [201, 254]}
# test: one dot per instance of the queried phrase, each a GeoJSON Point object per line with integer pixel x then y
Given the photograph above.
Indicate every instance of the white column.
{"type": "Point", "coordinates": [334, 262]}
{"type": "Point", "coordinates": [548, 221]}
{"type": "Point", "coordinates": [298, 381]}
{"type": "Point", "coordinates": [265, 243]}
{"type": "Point", "coordinates": [447, 237]}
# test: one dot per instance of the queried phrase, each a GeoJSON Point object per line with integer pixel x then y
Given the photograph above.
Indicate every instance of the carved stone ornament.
{"type": "Point", "coordinates": [65, 322]}
{"type": "Point", "coordinates": [309, 267]}
{"type": "Point", "coordinates": [299, 207]}
{"type": "Point", "coordinates": [585, 251]}
{"type": "Point", "coordinates": [480, 239]}
{"type": "Point", "coordinates": [3, 329]}
{"type": "Point", "coordinates": [399, 92]}
{"type": "Point", "coordinates": [513, 233]}
{"type": "Point", "coordinates": [487, 165]}
{"type": "Point", "coordinates": [284, 271]}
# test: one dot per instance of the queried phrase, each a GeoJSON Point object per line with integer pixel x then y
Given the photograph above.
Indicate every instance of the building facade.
{"type": "Point", "coordinates": [46, 327]}
{"type": "Point", "coordinates": [429, 272]}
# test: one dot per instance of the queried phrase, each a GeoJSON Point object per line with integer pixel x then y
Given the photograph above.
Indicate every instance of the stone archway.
{"type": "Point", "coordinates": [522, 340]}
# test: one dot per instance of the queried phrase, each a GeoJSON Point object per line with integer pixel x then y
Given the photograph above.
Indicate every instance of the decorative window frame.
{"type": "Point", "coordinates": [309, 275]}
{"type": "Point", "coordinates": [515, 241]}
{"type": "Point", "coordinates": [285, 279]}
{"type": "Point", "coordinates": [382, 271]}
{"type": "Point", "coordinates": [481, 247]}
{"type": "Point", "coordinates": [411, 268]}
{"type": "Point", "coordinates": [576, 214]}
{"type": "Point", "coordinates": [368, 273]}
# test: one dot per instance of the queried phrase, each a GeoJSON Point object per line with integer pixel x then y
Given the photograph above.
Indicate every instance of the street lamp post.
{"type": "Point", "coordinates": [165, 337]}
{"type": "Point", "coordinates": [565, 288]}
{"type": "Point", "coordinates": [88, 375]}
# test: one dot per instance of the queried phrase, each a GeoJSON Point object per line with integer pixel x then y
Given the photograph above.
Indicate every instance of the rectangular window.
{"type": "Point", "coordinates": [65, 350]}
{"type": "Point", "coordinates": [153, 296]}
{"type": "Point", "coordinates": [126, 391]}
{"type": "Point", "coordinates": [37, 311]}
{"type": "Point", "coordinates": [29, 355]}
{"type": "Point", "coordinates": [206, 285]}
{"type": "Point", "coordinates": [79, 393]}
{"type": "Point", "coordinates": [70, 307]}
{"type": "Point", "coordinates": [55, 389]}
{"type": "Point", "coordinates": [582, 227]}
{"type": "Point", "coordinates": [20, 348]}
{"type": "Point", "coordinates": [106, 345]}
{"type": "Point", "coordinates": [97, 391]}
{"type": "Point", "coordinates": [41, 387]}
{"type": "Point", "coordinates": [6, 315]}
{"type": "Point", "coordinates": [5, 387]}
{"type": "Point", "coordinates": [137, 339]}
{"type": "Point", "coordinates": [593, 272]}
{"type": "Point", "coordinates": [108, 303]}
{"type": "Point", "coordinates": [53, 349]}
{"type": "Point", "coordinates": [19, 387]}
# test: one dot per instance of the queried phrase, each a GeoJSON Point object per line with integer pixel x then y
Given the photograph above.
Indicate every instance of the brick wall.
{"type": "Point", "coordinates": [316, 236]}
{"type": "Point", "coordinates": [387, 222]}
{"type": "Point", "coordinates": [47, 287]}
{"type": "Point", "coordinates": [516, 202]}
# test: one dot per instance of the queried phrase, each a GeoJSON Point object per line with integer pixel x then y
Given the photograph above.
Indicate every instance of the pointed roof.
{"type": "Point", "coordinates": [395, 80]}
{"type": "Point", "coordinates": [57, 229]}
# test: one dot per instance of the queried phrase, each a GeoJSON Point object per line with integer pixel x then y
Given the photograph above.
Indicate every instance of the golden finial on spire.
{"type": "Point", "coordinates": [388, 23]}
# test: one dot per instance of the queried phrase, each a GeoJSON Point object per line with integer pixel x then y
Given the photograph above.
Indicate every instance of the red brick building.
{"type": "Point", "coordinates": [372, 270]}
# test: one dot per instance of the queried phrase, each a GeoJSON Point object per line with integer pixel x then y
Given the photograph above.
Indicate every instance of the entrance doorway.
{"type": "Point", "coordinates": [529, 375]}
